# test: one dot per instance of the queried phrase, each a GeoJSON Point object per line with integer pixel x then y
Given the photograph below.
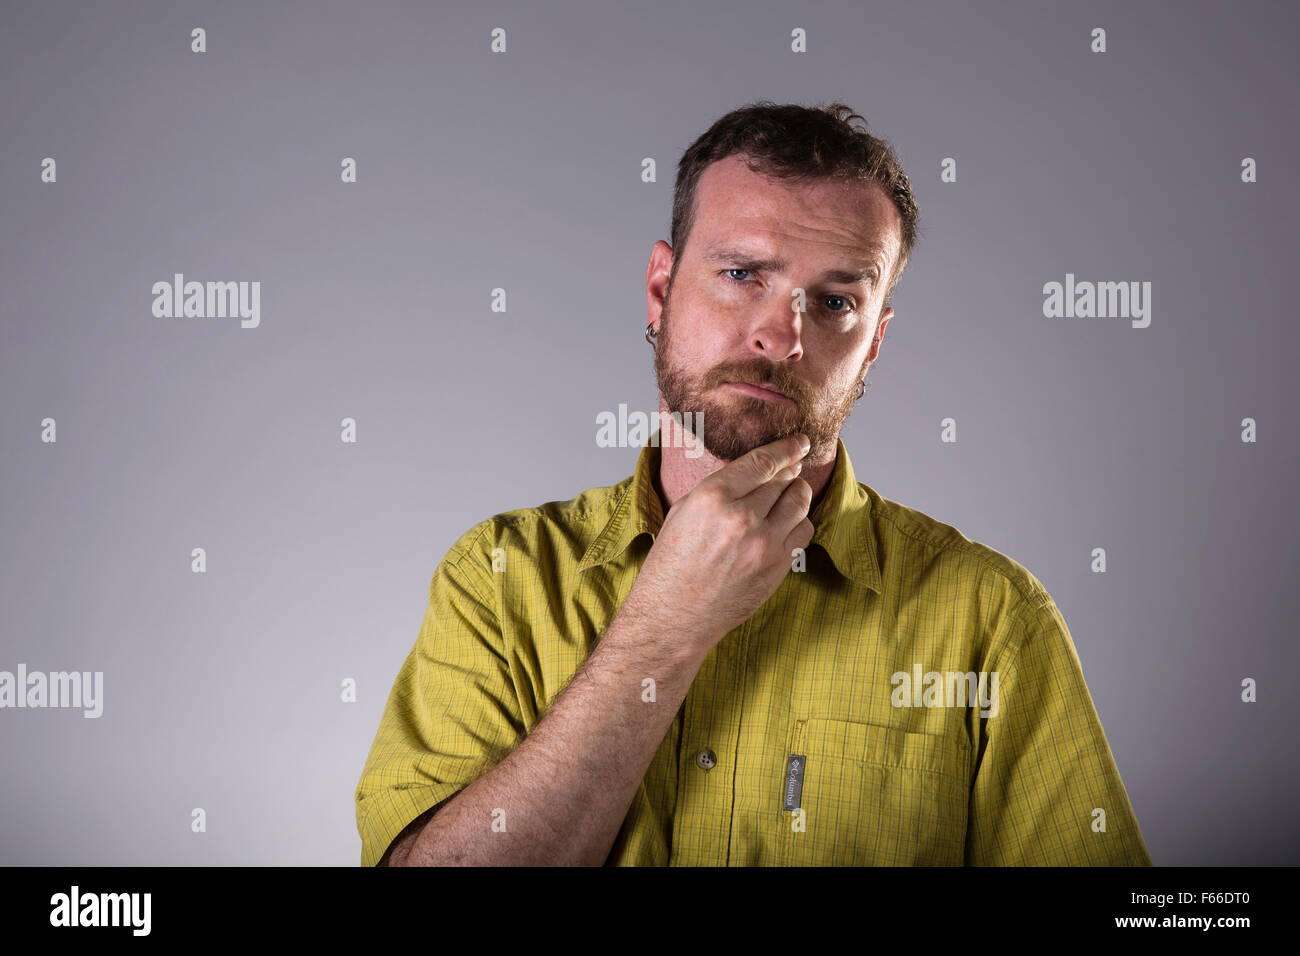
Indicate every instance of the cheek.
{"type": "Point", "coordinates": [713, 317]}
{"type": "Point", "coordinates": [842, 379]}
{"type": "Point", "coordinates": [709, 334]}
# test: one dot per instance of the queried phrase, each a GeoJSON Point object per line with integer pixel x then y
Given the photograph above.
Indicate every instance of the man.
{"type": "Point", "coordinates": [741, 655]}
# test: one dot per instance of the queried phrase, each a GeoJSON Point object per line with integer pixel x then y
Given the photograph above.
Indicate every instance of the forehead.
{"type": "Point", "coordinates": [732, 202]}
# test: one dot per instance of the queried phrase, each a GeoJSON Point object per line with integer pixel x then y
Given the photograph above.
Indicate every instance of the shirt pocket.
{"type": "Point", "coordinates": [877, 796]}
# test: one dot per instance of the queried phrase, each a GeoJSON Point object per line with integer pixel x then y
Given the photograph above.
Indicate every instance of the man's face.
{"type": "Point", "coordinates": [753, 243]}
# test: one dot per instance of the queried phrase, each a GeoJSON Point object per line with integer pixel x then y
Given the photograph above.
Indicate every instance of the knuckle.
{"type": "Point", "coordinates": [755, 554]}
{"type": "Point", "coordinates": [765, 461]}
{"type": "Point", "coordinates": [734, 523]}
{"type": "Point", "coordinates": [799, 492]}
{"type": "Point", "coordinates": [711, 496]}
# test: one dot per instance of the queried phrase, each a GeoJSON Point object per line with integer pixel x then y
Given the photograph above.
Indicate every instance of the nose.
{"type": "Point", "coordinates": [777, 336]}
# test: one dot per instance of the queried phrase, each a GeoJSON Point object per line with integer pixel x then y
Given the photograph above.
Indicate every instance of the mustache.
{"type": "Point", "coordinates": [768, 376]}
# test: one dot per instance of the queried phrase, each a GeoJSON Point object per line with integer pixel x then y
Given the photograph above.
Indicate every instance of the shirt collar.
{"type": "Point", "coordinates": [842, 519]}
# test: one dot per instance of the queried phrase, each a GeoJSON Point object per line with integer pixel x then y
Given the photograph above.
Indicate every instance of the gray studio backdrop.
{"type": "Point", "coordinates": [224, 690]}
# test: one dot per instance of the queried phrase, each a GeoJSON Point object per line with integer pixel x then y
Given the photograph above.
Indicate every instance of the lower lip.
{"type": "Point", "coordinates": [757, 392]}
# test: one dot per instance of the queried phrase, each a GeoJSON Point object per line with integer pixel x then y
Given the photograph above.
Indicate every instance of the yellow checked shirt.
{"type": "Point", "coordinates": [799, 742]}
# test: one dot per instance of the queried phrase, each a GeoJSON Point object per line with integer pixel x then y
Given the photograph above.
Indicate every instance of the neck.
{"type": "Point", "coordinates": [678, 473]}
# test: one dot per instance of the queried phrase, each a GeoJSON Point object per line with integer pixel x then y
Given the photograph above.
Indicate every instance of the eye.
{"type": "Point", "coordinates": [847, 307]}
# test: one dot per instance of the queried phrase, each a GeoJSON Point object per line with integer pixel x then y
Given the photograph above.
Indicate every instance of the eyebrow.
{"type": "Point", "coordinates": [743, 260]}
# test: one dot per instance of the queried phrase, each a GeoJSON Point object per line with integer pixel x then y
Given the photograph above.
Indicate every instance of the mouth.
{"type": "Point", "coordinates": [760, 391]}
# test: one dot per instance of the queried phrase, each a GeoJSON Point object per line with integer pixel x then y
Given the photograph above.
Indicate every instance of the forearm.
{"type": "Point", "coordinates": [560, 797]}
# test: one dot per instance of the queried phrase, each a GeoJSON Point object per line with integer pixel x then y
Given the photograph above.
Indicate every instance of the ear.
{"type": "Point", "coordinates": [657, 274]}
{"type": "Point", "coordinates": [880, 333]}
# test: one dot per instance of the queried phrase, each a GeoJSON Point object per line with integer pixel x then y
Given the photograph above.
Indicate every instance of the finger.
{"type": "Point", "coordinates": [799, 537]}
{"type": "Point", "coordinates": [762, 464]}
{"type": "Point", "coordinates": [761, 499]}
{"type": "Point", "coordinates": [791, 507]}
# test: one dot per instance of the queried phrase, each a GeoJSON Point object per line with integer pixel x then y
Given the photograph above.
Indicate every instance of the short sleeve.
{"type": "Point", "coordinates": [1046, 790]}
{"type": "Point", "coordinates": [452, 713]}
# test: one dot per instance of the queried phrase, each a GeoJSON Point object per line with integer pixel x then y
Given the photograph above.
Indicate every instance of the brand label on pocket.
{"type": "Point", "coordinates": [794, 767]}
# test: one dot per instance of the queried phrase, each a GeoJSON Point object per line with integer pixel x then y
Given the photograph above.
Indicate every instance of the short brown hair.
{"type": "Point", "coordinates": [797, 143]}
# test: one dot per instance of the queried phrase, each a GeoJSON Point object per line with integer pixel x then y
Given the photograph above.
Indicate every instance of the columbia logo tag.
{"type": "Point", "coordinates": [794, 765]}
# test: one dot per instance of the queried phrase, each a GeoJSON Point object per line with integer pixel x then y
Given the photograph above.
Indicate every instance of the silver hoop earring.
{"type": "Point", "coordinates": [862, 390]}
{"type": "Point", "coordinates": [651, 335]}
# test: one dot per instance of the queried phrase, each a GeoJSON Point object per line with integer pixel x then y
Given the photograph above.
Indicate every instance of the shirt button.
{"type": "Point", "coordinates": [706, 759]}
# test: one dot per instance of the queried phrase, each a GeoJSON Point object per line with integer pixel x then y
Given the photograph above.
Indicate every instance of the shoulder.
{"type": "Point", "coordinates": [568, 526]}
{"type": "Point", "coordinates": [913, 543]}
